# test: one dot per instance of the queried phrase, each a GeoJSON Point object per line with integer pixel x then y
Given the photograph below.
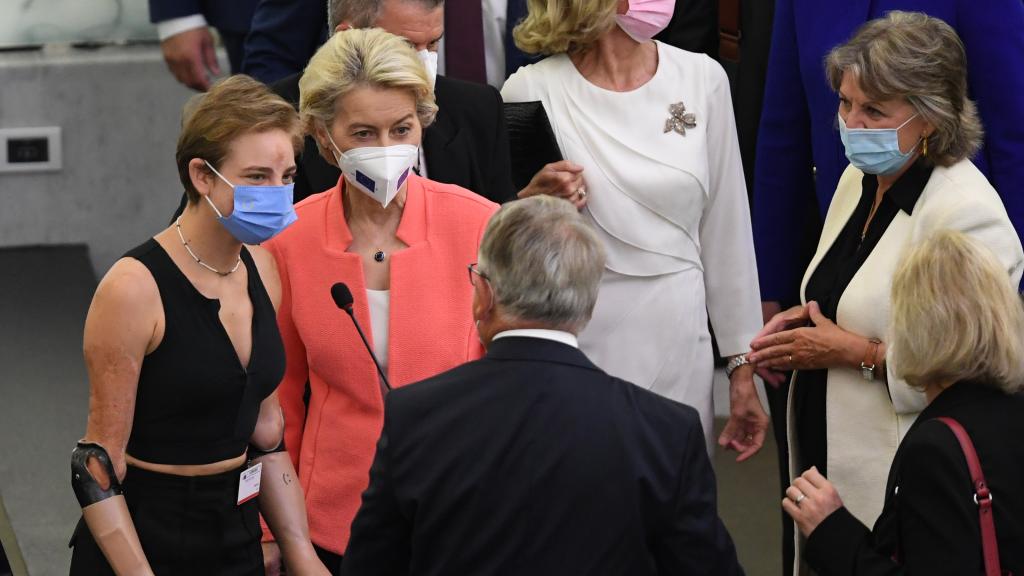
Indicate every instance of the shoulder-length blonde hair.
{"type": "Point", "coordinates": [356, 58]}
{"type": "Point", "coordinates": [557, 26]}
{"type": "Point", "coordinates": [955, 316]}
{"type": "Point", "coordinates": [921, 59]}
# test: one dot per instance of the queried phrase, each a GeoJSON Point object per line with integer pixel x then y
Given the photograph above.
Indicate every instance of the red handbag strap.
{"type": "Point", "coordinates": [982, 497]}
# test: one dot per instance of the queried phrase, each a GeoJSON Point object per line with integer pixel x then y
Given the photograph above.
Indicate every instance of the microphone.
{"type": "Point", "coordinates": [343, 299]}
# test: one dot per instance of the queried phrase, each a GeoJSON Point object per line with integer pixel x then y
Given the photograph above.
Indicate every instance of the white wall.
{"type": "Point", "coordinates": [120, 110]}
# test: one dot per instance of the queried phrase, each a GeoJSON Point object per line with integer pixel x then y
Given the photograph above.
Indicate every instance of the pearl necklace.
{"type": "Point", "coordinates": [177, 225]}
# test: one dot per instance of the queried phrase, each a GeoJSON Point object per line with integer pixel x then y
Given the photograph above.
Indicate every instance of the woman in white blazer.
{"type": "Point", "coordinates": [909, 130]}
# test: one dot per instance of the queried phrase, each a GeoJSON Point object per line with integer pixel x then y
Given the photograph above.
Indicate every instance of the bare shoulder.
{"type": "Point", "coordinates": [266, 266]}
{"type": "Point", "coordinates": [126, 310]}
{"type": "Point", "coordinates": [128, 284]}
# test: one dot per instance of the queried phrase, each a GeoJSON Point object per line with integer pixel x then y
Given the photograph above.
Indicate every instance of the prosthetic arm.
{"type": "Point", "coordinates": [101, 497]}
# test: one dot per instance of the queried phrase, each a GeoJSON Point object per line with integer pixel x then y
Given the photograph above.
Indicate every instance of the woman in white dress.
{"type": "Point", "coordinates": [652, 128]}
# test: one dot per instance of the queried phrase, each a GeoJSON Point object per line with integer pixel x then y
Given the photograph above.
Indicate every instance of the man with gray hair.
{"type": "Point", "coordinates": [532, 460]}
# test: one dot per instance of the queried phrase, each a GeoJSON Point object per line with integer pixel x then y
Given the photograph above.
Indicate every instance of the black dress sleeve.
{"type": "Point", "coordinates": [936, 521]}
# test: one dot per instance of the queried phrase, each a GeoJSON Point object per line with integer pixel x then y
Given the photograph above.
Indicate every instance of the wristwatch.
{"type": "Point", "coordinates": [734, 363]}
{"type": "Point", "coordinates": [867, 366]}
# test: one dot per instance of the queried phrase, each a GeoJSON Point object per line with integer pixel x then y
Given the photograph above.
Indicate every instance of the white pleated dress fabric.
{"type": "Point", "coordinates": [672, 212]}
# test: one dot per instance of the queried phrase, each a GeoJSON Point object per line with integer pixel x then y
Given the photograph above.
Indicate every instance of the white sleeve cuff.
{"type": "Point", "coordinates": [176, 26]}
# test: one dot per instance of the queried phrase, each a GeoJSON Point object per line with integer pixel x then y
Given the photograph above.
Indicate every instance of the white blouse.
{"type": "Point", "coordinates": [380, 305]}
{"type": "Point", "coordinates": [663, 202]}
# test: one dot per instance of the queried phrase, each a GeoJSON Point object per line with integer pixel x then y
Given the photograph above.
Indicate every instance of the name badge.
{"type": "Point", "coordinates": [249, 483]}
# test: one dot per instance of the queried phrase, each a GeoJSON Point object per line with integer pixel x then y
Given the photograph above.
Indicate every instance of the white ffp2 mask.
{"type": "Point", "coordinates": [429, 60]}
{"type": "Point", "coordinates": [378, 171]}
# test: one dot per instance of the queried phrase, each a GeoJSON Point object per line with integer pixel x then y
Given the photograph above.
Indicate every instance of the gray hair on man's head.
{"type": "Point", "coordinates": [362, 13]}
{"type": "Point", "coordinates": [543, 262]}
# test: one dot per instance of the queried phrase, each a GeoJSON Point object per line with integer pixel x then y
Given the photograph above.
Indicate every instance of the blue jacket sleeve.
{"type": "Point", "coordinates": [783, 169]}
{"type": "Point", "coordinates": [284, 35]}
{"type": "Point", "coordinates": [160, 10]}
{"type": "Point", "coordinates": [992, 37]}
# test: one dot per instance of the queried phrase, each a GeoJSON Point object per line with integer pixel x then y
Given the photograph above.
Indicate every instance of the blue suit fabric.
{"type": "Point", "coordinates": [798, 125]}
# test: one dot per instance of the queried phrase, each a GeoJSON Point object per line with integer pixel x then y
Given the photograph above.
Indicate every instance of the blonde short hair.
{"type": "Point", "coordinates": [921, 59]}
{"type": "Point", "coordinates": [955, 316]}
{"type": "Point", "coordinates": [557, 26]}
{"type": "Point", "coordinates": [233, 107]}
{"type": "Point", "coordinates": [361, 58]}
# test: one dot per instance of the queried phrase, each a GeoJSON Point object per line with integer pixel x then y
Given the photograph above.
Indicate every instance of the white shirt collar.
{"type": "Point", "coordinates": [556, 335]}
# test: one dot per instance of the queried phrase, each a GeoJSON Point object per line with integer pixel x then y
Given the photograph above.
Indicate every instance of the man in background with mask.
{"type": "Point", "coordinates": [532, 460]}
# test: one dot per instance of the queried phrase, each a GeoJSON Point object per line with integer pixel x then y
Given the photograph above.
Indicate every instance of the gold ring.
{"type": "Point", "coordinates": [790, 358]}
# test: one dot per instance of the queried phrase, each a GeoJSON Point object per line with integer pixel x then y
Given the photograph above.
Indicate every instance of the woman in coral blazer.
{"type": "Point", "coordinates": [400, 242]}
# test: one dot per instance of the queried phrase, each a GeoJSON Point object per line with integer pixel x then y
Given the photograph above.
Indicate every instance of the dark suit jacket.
{"type": "Point", "coordinates": [285, 34]}
{"type": "Point", "coordinates": [798, 125]}
{"type": "Point", "coordinates": [934, 520]}
{"type": "Point", "coordinates": [693, 27]}
{"type": "Point", "coordinates": [467, 144]}
{"type": "Point", "coordinates": [534, 461]}
{"type": "Point", "coordinates": [224, 15]}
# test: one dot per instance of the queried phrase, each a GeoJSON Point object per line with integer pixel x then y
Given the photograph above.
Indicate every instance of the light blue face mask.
{"type": "Point", "coordinates": [875, 150]}
{"type": "Point", "coordinates": [260, 212]}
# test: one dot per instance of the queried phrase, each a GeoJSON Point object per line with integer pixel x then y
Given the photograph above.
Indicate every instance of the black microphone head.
{"type": "Point", "coordinates": [342, 296]}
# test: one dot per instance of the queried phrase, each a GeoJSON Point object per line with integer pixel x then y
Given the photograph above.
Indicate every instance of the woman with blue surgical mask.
{"type": "Point", "coordinates": [909, 130]}
{"type": "Point", "coordinates": [401, 244]}
{"type": "Point", "coordinates": [184, 446]}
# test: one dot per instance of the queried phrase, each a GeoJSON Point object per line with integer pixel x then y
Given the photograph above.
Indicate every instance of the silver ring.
{"type": "Point", "coordinates": [800, 498]}
{"type": "Point", "coordinates": [581, 192]}
{"type": "Point", "coordinates": [790, 358]}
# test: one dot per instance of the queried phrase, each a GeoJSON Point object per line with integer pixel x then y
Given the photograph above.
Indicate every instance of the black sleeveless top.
{"type": "Point", "coordinates": [196, 403]}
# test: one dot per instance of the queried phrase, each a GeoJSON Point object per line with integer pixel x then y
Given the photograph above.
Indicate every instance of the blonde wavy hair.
{"type": "Point", "coordinates": [361, 58]}
{"type": "Point", "coordinates": [921, 59]}
{"type": "Point", "coordinates": [557, 26]}
{"type": "Point", "coordinates": [956, 316]}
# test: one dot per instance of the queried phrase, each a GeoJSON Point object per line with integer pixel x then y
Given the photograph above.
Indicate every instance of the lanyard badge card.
{"type": "Point", "coordinates": [249, 483]}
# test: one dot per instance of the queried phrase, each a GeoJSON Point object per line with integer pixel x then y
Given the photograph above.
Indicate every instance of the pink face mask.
{"type": "Point", "coordinates": [645, 18]}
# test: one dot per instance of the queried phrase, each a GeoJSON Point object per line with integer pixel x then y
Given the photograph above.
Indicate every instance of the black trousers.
{"type": "Point", "coordinates": [187, 526]}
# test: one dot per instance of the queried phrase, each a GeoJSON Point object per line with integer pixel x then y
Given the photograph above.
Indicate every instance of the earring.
{"type": "Point", "coordinates": [924, 151]}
